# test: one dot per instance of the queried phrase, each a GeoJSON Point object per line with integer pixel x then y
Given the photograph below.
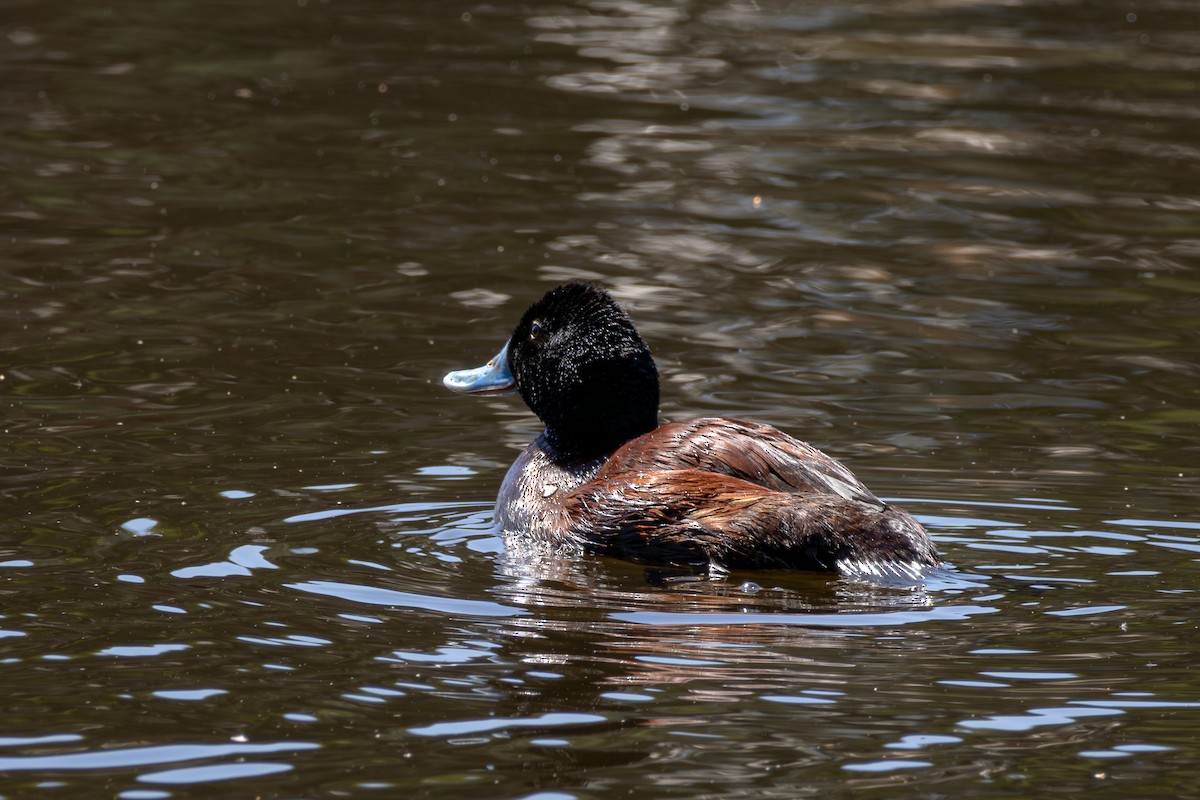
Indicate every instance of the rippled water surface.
{"type": "Point", "coordinates": [247, 548]}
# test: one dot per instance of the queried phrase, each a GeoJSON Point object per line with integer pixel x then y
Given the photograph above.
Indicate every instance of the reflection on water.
{"type": "Point", "coordinates": [249, 543]}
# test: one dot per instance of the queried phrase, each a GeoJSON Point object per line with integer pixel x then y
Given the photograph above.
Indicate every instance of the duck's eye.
{"type": "Point", "coordinates": [535, 330]}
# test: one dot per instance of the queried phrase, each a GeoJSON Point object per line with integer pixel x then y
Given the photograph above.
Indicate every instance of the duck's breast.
{"type": "Point", "coordinates": [531, 497]}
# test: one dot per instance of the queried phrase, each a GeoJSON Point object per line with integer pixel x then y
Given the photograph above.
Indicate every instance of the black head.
{"type": "Point", "coordinates": [582, 367]}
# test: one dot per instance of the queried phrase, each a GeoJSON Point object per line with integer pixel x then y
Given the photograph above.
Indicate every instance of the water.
{"type": "Point", "coordinates": [248, 546]}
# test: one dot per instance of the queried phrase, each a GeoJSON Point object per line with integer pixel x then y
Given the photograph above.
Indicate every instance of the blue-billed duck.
{"type": "Point", "coordinates": [715, 492]}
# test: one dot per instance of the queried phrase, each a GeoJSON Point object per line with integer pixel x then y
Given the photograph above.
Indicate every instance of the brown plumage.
{"type": "Point", "coordinates": [751, 451]}
{"type": "Point", "coordinates": [740, 495]}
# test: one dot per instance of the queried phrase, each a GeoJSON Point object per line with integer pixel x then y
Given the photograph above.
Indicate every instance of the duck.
{"type": "Point", "coordinates": [715, 493]}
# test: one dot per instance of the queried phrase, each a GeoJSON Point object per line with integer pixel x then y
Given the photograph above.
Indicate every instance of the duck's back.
{"type": "Point", "coordinates": [754, 452]}
{"type": "Point", "coordinates": [741, 495]}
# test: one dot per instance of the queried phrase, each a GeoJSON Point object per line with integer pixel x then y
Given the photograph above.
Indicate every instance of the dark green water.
{"type": "Point", "coordinates": [246, 548]}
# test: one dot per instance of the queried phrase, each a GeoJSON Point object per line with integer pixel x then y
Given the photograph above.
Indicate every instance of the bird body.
{"type": "Point", "coordinates": [712, 492]}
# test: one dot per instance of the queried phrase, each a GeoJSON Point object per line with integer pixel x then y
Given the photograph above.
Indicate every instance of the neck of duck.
{"type": "Point", "coordinates": [591, 420]}
{"type": "Point", "coordinates": [595, 437]}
